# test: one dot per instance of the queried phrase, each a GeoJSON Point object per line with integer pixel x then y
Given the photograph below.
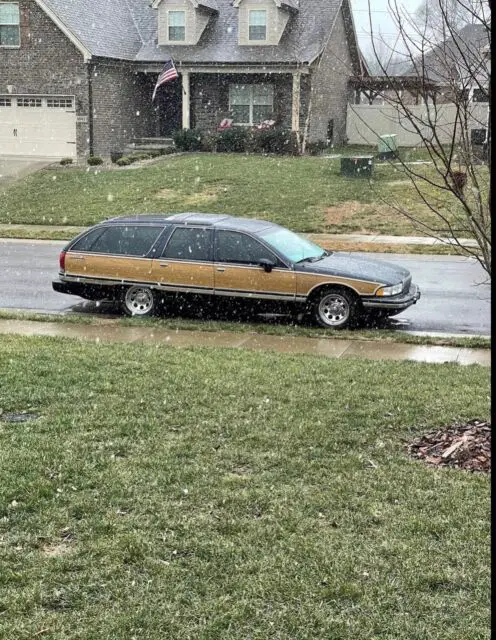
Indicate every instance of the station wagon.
{"type": "Point", "coordinates": [139, 260]}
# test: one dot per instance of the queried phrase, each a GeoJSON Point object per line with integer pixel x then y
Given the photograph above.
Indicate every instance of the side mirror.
{"type": "Point", "coordinates": [267, 265]}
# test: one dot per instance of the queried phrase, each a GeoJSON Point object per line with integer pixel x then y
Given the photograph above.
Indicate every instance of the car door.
{"type": "Point", "coordinates": [238, 271]}
{"type": "Point", "coordinates": [186, 261]}
{"type": "Point", "coordinates": [117, 253]}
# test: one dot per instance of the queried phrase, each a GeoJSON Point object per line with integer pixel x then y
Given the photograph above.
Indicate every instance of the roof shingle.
{"type": "Point", "coordinates": [127, 30]}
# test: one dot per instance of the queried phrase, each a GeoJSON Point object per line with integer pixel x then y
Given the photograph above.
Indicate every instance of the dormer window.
{"type": "Point", "coordinates": [258, 25]}
{"type": "Point", "coordinates": [177, 26]}
{"type": "Point", "coordinates": [9, 24]}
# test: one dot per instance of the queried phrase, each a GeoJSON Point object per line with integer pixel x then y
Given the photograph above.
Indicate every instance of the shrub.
{"type": "Point", "coordinates": [166, 151]}
{"type": "Point", "coordinates": [316, 148]}
{"type": "Point", "coordinates": [187, 140]}
{"type": "Point", "coordinates": [115, 155]}
{"type": "Point", "coordinates": [124, 161]}
{"type": "Point", "coordinates": [136, 156]}
{"type": "Point", "coordinates": [277, 140]}
{"type": "Point", "coordinates": [65, 161]}
{"type": "Point", "coordinates": [209, 141]}
{"type": "Point", "coordinates": [233, 140]}
{"type": "Point", "coordinates": [94, 160]}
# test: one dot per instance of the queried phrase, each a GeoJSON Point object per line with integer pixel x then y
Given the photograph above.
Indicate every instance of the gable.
{"type": "Point", "coordinates": [182, 22]}
{"type": "Point", "coordinates": [107, 29]}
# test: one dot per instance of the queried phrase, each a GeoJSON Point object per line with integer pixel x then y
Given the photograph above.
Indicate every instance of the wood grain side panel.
{"type": "Point", "coordinates": [187, 274]}
{"type": "Point", "coordinates": [255, 279]}
{"type": "Point", "coordinates": [305, 282]}
{"type": "Point", "coordinates": [88, 265]}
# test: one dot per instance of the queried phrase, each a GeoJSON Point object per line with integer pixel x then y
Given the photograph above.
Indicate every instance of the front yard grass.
{"type": "Point", "coordinates": [306, 194]}
{"type": "Point", "coordinates": [216, 494]}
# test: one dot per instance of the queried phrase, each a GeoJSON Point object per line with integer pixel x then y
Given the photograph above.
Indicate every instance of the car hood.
{"type": "Point", "coordinates": [348, 265]}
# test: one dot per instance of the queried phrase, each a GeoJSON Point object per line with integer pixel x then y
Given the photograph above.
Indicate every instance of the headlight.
{"type": "Point", "coordinates": [390, 291]}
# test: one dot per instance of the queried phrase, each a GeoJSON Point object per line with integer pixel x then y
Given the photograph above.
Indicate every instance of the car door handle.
{"type": "Point", "coordinates": [164, 264]}
{"type": "Point", "coordinates": [77, 257]}
{"type": "Point", "coordinates": [220, 269]}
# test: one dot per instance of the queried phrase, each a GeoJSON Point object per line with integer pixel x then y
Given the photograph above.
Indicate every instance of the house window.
{"type": "Point", "coordinates": [251, 103]}
{"type": "Point", "coordinates": [480, 95]}
{"type": "Point", "coordinates": [59, 103]}
{"type": "Point", "coordinates": [9, 24]}
{"type": "Point", "coordinates": [258, 25]}
{"type": "Point", "coordinates": [29, 102]}
{"type": "Point", "coordinates": [177, 26]}
{"type": "Point", "coordinates": [5, 102]}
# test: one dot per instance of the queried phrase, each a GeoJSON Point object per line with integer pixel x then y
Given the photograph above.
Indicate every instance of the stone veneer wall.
{"type": "Point", "coordinates": [122, 106]}
{"type": "Point", "coordinates": [330, 90]}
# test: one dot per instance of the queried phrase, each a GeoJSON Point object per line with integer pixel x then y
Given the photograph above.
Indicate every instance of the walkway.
{"type": "Point", "coordinates": [326, 347]}
{"type": "Point", "coordinates": [324, 238]}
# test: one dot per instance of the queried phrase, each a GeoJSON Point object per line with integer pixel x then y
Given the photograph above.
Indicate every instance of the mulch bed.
{"type": "Point", "coordinates": [462, 446]}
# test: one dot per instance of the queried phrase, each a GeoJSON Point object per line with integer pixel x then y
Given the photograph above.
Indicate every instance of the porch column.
{"type": "Point", "coordinates": [186, 100]}
{"type": "Point", "coordinates": [295, 109]}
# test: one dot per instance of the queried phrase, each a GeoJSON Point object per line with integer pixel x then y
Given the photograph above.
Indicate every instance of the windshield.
{"type": "Point", "coordinates": [291, 245]}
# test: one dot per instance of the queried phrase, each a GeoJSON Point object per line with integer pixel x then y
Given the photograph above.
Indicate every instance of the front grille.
{"type": "Point", "coordinates": [406, 284]}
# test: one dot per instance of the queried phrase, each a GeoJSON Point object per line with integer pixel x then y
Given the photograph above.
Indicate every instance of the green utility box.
{"type": "Point", "coordinates": [387, 146]}
{"type": "Point", "coordinates": [357, 166]}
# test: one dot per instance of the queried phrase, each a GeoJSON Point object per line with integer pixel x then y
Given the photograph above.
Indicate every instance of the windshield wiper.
{"type": "Point", "coordinates": [314, 258]}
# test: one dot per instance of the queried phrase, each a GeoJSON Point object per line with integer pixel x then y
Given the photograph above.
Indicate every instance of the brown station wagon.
{"type": "Point", "coordinates": [138, 260]}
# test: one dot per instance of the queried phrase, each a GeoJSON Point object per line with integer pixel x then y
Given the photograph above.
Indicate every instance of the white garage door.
{"type": "Point", "coordinates": [38, 126]}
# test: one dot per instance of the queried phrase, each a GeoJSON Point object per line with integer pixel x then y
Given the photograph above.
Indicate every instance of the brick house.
{"type": "Point", "coordinates": [77, 76]}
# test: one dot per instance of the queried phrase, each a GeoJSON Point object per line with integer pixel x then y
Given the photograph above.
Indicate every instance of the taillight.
{"type": "Point", "coordinates": [62, 260]}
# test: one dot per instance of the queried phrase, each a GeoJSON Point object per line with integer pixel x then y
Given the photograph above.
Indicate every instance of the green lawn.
{"type": "Point", "coordinates": [306, 194]}
{"type": "Point", "coordinates": [203, 494]}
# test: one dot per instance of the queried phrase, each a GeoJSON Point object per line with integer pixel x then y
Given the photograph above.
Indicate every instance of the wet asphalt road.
{"type": "Point", "coordinates": [454, 298]}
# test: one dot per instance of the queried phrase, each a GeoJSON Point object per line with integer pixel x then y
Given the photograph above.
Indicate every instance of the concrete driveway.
{"type": "Point", "coordinates": [15, 167]}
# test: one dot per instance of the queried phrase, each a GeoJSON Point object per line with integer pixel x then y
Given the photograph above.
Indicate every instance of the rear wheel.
{"type": "Point", "coordinates": [138, 301]}
{"type": "Point", "coordinates": [335, 308]}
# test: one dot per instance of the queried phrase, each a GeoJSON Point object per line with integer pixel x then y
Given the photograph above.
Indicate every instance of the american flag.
{"type": "Point", "coordinates": [169, 72]}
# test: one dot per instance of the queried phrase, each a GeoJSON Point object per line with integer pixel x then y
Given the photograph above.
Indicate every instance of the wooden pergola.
{"type": "Point", "coordinates": [373, 86]}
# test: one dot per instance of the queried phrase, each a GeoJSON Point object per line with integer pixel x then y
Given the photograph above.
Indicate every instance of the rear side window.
{"type": "Point", "coordinates": [84, 243]}
{"type": "Point", "coordinates": [189, 244]}
{"type": "Point", "coordinates": [126, 240]}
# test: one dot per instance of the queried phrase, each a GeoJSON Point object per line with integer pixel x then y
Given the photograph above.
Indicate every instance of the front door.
{"type": "Point", "coordinates": [186, 262]}
{"type": "Point", "coordinates": [238, 271]}
{"type": "Point", "coordinates": [170, 107]}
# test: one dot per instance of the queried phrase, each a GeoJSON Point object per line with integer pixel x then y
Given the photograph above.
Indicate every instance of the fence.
{"type": "Point", "coordinates": [365, 123]}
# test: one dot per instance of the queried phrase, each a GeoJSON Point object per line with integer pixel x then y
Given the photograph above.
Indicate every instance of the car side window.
{"type": "Point", "coordinates": [189, 244]}
{"type": "Point", "coordinates": [85, 243]}
{"type": "Point", "coordinates": [239, 248]}
{"type": "Point", "coordinates": [126, 240]}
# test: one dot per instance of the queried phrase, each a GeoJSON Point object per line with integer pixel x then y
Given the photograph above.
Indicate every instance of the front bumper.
{"type": "Point", "coordinates": [402, 301]}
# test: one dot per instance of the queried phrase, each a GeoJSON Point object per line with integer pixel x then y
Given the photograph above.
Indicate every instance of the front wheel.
{"type": "Point", "coordinates": [335, 309]}
{"type": "Point", "coordinates": [138, 301]}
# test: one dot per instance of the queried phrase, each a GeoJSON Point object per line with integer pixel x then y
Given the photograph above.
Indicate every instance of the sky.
{"type": "Point", "coordinates": [381, 19]}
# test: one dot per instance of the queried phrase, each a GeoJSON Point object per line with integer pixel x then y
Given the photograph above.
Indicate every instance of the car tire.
{"type": "Point", "coordinates": [138, 301]}
{"type": "Point", "coordinates": [335, 308]}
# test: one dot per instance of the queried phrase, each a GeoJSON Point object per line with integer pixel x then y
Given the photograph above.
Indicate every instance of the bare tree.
{"type": "Point", "coordinates": [384, 56]}
{"type": "Point", "coordinates": [450, 71]}
{"type": "Point", "coordinates": [432, 14]}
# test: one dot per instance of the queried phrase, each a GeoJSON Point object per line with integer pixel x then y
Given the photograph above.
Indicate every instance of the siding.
{"type": "Point", "coordinates": [276, 22]}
